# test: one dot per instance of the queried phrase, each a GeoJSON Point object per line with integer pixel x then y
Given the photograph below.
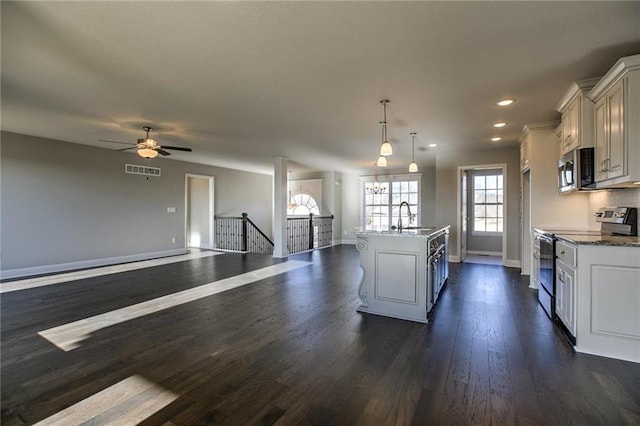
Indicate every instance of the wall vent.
{"type": "Point", "coordinates": [135, 169]}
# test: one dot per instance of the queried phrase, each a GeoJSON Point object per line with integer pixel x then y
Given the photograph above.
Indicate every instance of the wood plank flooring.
{"type": "Point", "coordinates": [291, 349]}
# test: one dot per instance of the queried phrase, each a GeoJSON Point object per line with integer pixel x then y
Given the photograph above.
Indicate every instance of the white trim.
{"type": "Point", "coordinates": [511, 263]}
{"type": "Point", "coordinates": [612, 76]}
{"type": "Point", "coordinates": [485, 253]}
{"type": "Point", "coordinates": [392, 177]}
{"type": "Point", "coordinates": [454, 259]}
{"type": "Point", "coordinates": [488, 233]}
{"type": "Point", "coordinates": [70, 266]}
{"type": "Point", "coordinates": [574, 89]}
{"type": "Point", "coordinates": [505, 227]}
{"type": "Point", "coordinates": [348, 242]}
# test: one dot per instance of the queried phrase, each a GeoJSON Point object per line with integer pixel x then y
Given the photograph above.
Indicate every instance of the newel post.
{"type": "Point", "coordinates": [244, 231]}
{"type": "Point", "coordinates": [310, 231]}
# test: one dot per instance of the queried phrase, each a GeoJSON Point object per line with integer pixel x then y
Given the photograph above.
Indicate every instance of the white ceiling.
{"type": "Point", "coordinates": [242, 82]}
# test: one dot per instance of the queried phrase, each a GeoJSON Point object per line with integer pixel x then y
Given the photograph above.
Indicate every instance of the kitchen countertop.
{"type": "Point", "coordinates": [426, 232]}
{"type": "Point", "coordinates": [600, 240]}
{"type": "Point", "coordinates": [590, 237]}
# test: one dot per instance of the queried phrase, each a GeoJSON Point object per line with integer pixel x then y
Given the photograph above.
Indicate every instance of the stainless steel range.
{"type": "Point", "coordinates": [613, 221]}
{"type": "Point", "coordinates": [618, 220]}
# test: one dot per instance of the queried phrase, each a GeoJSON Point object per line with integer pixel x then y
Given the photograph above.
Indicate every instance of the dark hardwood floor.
{"type": "Point", "coordinates": [291, 349]}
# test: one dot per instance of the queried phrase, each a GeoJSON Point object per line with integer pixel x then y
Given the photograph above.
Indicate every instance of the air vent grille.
{"type": "Point", "coordinates": [135, 169]}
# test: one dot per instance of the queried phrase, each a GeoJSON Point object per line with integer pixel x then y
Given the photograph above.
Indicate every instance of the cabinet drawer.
{"type": "Point", "coordinates": [566, 253]}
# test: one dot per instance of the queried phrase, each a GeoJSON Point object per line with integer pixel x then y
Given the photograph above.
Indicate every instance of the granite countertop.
{"type": "Point", "coordinates": [590, 237]}
{"type": "Point", "coordinates": [600, 240]}
{"type": "Point", "coordinates": [420, 232]}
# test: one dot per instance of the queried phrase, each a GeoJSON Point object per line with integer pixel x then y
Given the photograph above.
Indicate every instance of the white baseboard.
{"type": "Point", "coordinates": [511, 263]}
{"type": "Point", "coordinates": [348, 242]}
{"type": "Point", "coordinates": [454, 258]}
{"type": "Point", "coordinates": [485, 253]}
{"type": "Point", "coordinates": [82, 264]}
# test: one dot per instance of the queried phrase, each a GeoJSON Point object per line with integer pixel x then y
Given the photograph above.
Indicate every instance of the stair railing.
{"type": "Point", "coordinates": [303, 234]}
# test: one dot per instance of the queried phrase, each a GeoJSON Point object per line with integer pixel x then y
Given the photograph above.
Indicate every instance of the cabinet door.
{"type": "Point", "coordinates": [565, 296]}
{"type": "Point", "coordinates": [524, 153]}
{"type": "Point", "coordinates": [566, 131]}
{"type": "Point", "coordinates": [560, 292]}
{"type": "Point", "coordinates": [616, 163]}
{"type": "Point", "coordinates": [570, 300]}
{"type": "Point", "coordinates": [574, 114]}
{"type": "Point", "coordinates": [601, 139]}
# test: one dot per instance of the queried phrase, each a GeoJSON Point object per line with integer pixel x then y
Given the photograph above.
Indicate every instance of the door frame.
{"type": "Point", "coordinates": [459, 214]}
{"type": "Point", "coordinates": [211, 215]}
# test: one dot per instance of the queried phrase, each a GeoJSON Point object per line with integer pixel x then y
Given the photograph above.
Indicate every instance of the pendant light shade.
{"type": "Point", "coordinates": [385, 149]}
{"type": "Point", "coordinates": [382, 161]}
{"type": "Point", "coordinates": [413, 167]}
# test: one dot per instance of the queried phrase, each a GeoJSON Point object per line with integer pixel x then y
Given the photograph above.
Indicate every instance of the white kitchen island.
{"type": "Point", "coordinates": [403, 272]}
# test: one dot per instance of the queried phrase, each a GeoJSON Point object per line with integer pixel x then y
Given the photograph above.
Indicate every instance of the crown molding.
{"type": "Point", "coordinates": [574, 89]}
{"type": "Point", "coordinates": [619, 70]}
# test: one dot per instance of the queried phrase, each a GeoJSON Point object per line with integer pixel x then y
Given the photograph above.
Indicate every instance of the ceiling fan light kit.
{"type": "Point", "coordinates": [147, 153]}
{"type": "Point", "coordinates": [148, 147]}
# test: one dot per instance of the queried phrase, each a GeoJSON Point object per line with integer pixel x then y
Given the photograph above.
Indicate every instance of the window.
{"type": "Point", "coordinates": [487, 204]}
{"type": "Point", "coordinates": [381, 210]}
{"type": "Point", "coordinates": [304, 204]}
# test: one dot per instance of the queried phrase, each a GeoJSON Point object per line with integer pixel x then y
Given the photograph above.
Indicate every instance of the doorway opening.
{"type": "Point", "coordinates": [482, 207]}
{"type": "Point", "coordinates": [199, 211]}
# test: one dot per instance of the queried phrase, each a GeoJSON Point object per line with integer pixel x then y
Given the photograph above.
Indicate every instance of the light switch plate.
{"type": "Point", "coordinates": [171, 209]}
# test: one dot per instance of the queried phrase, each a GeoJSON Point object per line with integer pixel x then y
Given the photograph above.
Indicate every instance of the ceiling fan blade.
{"type": "Point", "coordinates": [177, 148]}
{"type": "Point", "coordinates": [121, 143]}
{"type": "Point", "coordinates": [126, 149]}
{"type": "Point", "coordinates": [162, 151]}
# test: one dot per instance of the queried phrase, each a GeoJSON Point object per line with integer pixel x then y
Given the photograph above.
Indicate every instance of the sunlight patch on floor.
{"type": "Point", "coordinates": [69, 336]}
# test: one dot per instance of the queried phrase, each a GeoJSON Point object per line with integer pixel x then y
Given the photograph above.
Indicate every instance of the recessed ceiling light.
{"type": "Point", "coordinates": [496, 139]}
{"type": "Point", "coordinates": [433, 145]}
{"type": "Point", "coordinates": [505, 102]}
{"type": "Point", "coordinates": [499, 124]}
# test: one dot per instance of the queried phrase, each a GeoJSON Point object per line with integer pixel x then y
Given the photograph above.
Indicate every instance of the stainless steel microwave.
{"type": "Point", "coordinates": [576, 171]}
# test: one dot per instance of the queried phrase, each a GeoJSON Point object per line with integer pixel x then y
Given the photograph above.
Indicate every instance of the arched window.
{"type": "Point", "coordinates": [302, 205]}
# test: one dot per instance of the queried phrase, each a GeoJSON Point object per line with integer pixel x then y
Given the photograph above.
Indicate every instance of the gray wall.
{"type": "Point", "coordinates": [482, 243]}
{"type": "Point", "coordinates": [64, 202]}
{"type": "Point", "coordinates": [447, 163]}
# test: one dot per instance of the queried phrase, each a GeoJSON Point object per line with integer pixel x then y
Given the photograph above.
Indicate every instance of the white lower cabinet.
{"type": "Point", "coordinates": [566, 296]}
{"type": "Point", "coordinates": [605, 291]}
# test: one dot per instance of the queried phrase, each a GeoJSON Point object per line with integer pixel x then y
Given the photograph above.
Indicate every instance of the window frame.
{"type": "Point", "coordinates": [390, 179]}
{"type": "Point", "coordinates": [473, 230]}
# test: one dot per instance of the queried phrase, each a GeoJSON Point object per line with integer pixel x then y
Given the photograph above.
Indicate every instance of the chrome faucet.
{"type": "Point", "coordinates": [404, 203]}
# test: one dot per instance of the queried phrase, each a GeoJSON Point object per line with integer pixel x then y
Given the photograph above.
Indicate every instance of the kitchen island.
{"type": "Point", "coordinates": [403, 271]}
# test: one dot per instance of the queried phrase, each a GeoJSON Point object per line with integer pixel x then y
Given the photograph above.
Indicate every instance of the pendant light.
{"type": "Point", "coordinates": [385, 148]}
{"type": "Point", "coordinates": [382, 160]}
{"type": "Point", "coordinates": [413, 167]}
{"type": "Point", "coordinates": [376, 188]}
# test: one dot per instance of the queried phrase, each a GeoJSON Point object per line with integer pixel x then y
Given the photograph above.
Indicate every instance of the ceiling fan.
{"type": "Point", "coordinates": [148, 147]}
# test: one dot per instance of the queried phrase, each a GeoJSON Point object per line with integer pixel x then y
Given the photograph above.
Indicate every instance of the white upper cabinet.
{"type": "Point", "coordinates": [616, 124]}
{"type": "Point", "coordinates": [524, 150]}
{"type": "Point", "coordinates": [577, 117]}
